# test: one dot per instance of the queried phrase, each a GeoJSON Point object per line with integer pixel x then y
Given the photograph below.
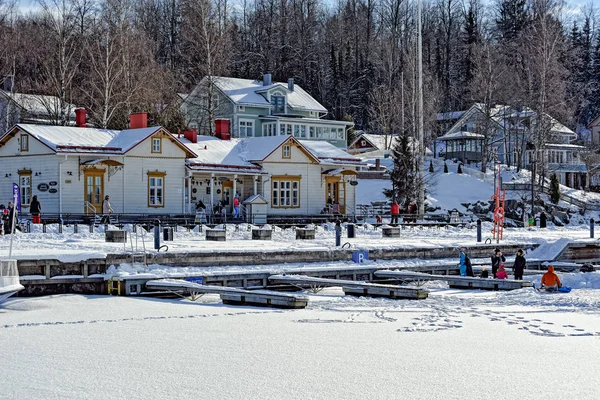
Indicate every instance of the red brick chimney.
{"type": "Point", "coordinates": [81, 118]}
{"type": "Point", "coordinates": [191, 135]}
{"type": "Point", "coordinates": [138, 120]}
{"type": "Point", "coordinates": [222, 131]}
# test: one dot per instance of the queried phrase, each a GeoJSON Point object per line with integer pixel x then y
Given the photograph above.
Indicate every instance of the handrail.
{"type": "Point", "coordinates": [87, 206]}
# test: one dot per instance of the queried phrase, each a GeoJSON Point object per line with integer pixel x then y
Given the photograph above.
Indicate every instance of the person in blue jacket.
{"type": "Point", "coordinates": [463, 263]}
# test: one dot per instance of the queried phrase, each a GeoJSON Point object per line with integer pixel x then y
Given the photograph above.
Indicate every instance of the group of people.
{"type": "Point", "coordinates": [219, 209]}
{"type": "Point", "coordinates": [550, 281]}
{"type": "Point", "coordinates": [411, 209]}
{"type": "Point", "coordinates": [8, 215]}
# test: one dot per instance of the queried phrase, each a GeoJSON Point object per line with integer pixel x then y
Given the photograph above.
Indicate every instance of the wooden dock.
{"type": "Point", "coordinates": [455, 281]}
{"type": "Point", "coordinates": [236, 296]}
{"type": "Point", "coordinates": [354, 288]}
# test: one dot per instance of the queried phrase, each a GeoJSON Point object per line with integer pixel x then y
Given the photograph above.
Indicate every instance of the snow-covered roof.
{"type": "Point", "coordinates": [328, 153]}
{"type": "Point", "coordinates": [39, 104]}
{"type": "Point", "coordinates": [461, 135]}
{"type": "Point", "coordinates": [450, 115]}
{"type": "Point", "coordinates": [259, 148]}
{"type": "Point", "coordinates": [216, 153]}
{"type": "Point", "coordinates": [245, 92]}
{"type": "Point", "coordinates": [68, 139]}
{"type": "Point", "coordinates": [378, 141]}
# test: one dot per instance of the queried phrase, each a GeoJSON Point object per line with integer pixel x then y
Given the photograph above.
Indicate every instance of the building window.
{"type": "Point", "coordinates": [246, 128]}
{"type": "Point", "coordinates": [312, 131]}
{"type": "Point", "coordinates": [341, 135]}
{"type": "Point", "coordinates": [286, 192]}
{"type": "Point", "coordinates": [156, 145]}
{"type": "Point", "coordinates": [24, 143]}
{"type": "Point", "coordinates": [278, 104]}
{"type": "Point", "coordinates": [296, 130]}
{"type": "Point", "coordinates": [25, 186]}
{"type": "Point", "coordinates": [156, 189]}
{"type": "Point", "coordinates": [302, 131]}
{"type": "Point", "coordinates": [242, 108]}
{"type": "Point", "coordinates": [281, 129]}
{"type": "Point", "coordinates": [287, 151]}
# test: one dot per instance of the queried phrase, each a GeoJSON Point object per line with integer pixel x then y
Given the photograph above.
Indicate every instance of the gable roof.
{"type": "Point", "coordinates": [594, 122]}
{"type": "Point", "coordinates": [68, 139]}
{"type": "Point", "coordinates": [38, 104]}
{"type": "Point", "coordinates": [246, 92]}
{"type": "Point", "coordinates": [376, 141]}
{"type": "Point", "coordinates": [327, 153]}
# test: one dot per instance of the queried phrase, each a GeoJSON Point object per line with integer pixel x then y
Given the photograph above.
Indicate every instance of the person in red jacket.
{"type": "Point", "coordinates": [395, 212]}
{"type": "Point", "coordinates": [550, 281]}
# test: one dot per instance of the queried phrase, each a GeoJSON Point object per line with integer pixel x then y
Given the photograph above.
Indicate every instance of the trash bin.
{"type": "Point", "coordinates": [350, 231]}
{"type": "Point", "coordinates": [168, 234]}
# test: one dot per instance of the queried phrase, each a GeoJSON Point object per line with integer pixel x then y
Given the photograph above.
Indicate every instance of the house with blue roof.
{"type": "Point", "coordinates": [257, 108]}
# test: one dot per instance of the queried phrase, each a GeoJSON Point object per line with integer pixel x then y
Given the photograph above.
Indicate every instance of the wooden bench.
{"type": "Point", "coordinates": [262, 234]}
{"type": "Point", "coordinates": [305, 234]}
{"type": "Point", "coordinates": [216, 235]}
{"type": "Point", "coordinates": [391, 232]}
{"type": "Point", "coordinates": [115, 236]}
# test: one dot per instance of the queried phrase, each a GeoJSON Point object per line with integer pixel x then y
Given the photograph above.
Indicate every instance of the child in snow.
{"type": "Point", "coordinates": [501, 274]}
{"type": "Point", "coordinates": [484, 273]}
{"type": "Point", "coordinates": [550, 281]}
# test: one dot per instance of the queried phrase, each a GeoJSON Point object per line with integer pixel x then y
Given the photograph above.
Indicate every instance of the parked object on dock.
{"type": "Point", "coordinates": [454, 281]}
{"type": "Point", "coordinates": [9, 279]}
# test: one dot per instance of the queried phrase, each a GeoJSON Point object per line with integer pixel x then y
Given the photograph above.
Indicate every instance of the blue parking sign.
{"type": "Point", "coordinates": [360, 256]}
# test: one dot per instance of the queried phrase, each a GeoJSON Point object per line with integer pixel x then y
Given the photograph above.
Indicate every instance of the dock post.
{"type": "Point", "coordinates": [478, 231]}
{"type": "Point", "coordinates": [591, 228]}
{"type": "Point", "coordinates": [157, 235]}
{"type": "Point", "coordinates": [338, 232]}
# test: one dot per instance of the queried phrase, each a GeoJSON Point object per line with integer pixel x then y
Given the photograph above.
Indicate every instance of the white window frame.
{"type": "Point", "coordinates": [287, 151]}
{"type": "Point", "coordinates": [156, 145]}
{"type": "Point", "coordinates": [285, 193]}
{"type": "Point", "coordinates": [25, 185]}
{"type": "Point", "coordinates": [24, 143]}
{"type": "Point", "coordinates": [245, 125]}
{"type": "Point", "coordinates": [156, 185]}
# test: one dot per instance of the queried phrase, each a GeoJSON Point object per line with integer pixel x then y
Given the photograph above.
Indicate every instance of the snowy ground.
{"type": "Point", "coordinates": [457, 344]}
{"type": "Point", "coordinates": [454, 345]}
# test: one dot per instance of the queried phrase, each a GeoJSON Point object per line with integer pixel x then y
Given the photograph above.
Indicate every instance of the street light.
{"type": "Point", "coordinates": [533, 164]}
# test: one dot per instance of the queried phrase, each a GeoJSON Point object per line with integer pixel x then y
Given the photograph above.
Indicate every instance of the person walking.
{"type": "Point", "coordinates": [497, 259]}
{"type": "Point", "coordinates": [35, 208]}
{"type": "Point", "coordinates": [519, 265]}
{"type": "Point", "coordinates": [107, 210]}
{"type": "Point", "coordinates": [551, 281]}
{"type": "Point", "coordinates": [395, 211]}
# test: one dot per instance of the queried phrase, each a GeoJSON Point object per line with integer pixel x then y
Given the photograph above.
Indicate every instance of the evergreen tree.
{"type": "Point", "coordinates": [403, 175]}
{"type": "Point", "coordinates": [554, 189]}
{"type": "Point", "coordinates": [512, 19]}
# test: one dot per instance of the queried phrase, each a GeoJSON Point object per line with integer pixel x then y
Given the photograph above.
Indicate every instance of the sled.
{"type": "Point", "coordinates": [562, 289]}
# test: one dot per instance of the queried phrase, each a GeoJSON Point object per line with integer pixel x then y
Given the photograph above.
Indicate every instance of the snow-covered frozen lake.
{"type": "Point", "coordinates": [454, 345]}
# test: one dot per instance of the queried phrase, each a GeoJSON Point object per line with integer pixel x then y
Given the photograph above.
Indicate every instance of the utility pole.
{"type": "Point", "coordinates": [421, 146]}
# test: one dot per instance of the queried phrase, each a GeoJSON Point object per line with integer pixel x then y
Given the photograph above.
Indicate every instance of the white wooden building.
{"type": "Point", "coordinates": [295, 177]}
{"type": "Point", "coordinates": [71, 169]}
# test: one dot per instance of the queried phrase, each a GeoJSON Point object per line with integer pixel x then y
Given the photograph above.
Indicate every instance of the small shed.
{"type": "Point", "coordinates": [256, 209]}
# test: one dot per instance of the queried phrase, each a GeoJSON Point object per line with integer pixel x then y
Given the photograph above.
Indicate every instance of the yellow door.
{"type": "Point", "coordinates": [93, 190]}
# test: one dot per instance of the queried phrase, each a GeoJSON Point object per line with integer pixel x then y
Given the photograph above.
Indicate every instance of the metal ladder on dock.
{"type": "Point", "coordinates": [137, 256]}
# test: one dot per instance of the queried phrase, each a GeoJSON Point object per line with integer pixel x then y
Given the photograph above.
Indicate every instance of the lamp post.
{"type": "Point", "coordinates": [533, 164]}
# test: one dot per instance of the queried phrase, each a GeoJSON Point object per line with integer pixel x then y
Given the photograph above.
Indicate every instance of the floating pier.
{"type": "Point", "coordinates": [353, 288]}
{"type": "Point", "coordinates": [262, 298]}
{"type": "Point", "coordinates": [455, 281]}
